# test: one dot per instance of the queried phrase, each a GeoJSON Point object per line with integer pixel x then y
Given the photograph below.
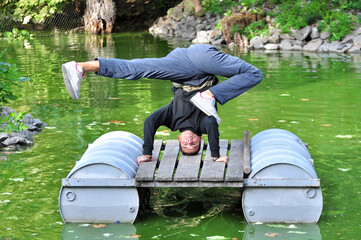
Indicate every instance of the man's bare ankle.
{"type": "Point", "coordinates": [209, 93]}
{"type": "Point", "coordinates": [90, 66]}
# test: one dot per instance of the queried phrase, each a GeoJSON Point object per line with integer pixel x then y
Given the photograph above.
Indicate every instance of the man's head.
{"type": "Point", "coordinates": [189, 142]}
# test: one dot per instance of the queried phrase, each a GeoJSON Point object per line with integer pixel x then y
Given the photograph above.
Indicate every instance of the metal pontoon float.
{"type": "Point", "coordinates": [274, 169]}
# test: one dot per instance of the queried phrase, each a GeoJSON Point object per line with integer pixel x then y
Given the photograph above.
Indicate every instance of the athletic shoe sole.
{"type": "Point", "coordinates": [69, 84]}
{"type": "Point", "coordinates": [205, 111]}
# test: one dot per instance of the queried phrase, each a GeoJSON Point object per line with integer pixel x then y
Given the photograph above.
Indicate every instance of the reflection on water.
{"type": "Point", "coordinates": [251, 232]}
{"type": "Point", "coordinates": [283, 232]}
{"type": "Point", "coordinates": [99, 46]}
{"type": "Point", "coordinates": [98, 231]}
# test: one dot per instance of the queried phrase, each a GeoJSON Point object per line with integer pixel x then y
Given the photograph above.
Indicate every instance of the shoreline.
{"type": "Point", "coordinates": [17, 140]}
{"type": "Point", "coordinates": [179, 24]}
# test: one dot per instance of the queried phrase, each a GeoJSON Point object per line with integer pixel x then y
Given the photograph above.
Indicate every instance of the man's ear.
{"type": "Point", "coordinates": [178, 138]}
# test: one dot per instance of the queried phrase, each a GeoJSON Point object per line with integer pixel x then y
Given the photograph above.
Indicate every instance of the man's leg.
{"type": "Point", "coordinates": [235, 86]}
{"type": "Point", "coordinates": [166, 68]}
{"type": "Point", "coordinates": [242, 76]}
{"type": "Point", "coordinates": [223, 92]}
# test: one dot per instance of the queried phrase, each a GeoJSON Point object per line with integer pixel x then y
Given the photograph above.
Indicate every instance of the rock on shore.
{"type": "Point", "coordinates": [16, 140]}
{"type": "Point", "coordinates": [308, 39]}
{"type": "Point", "coordinates": [178, 23]}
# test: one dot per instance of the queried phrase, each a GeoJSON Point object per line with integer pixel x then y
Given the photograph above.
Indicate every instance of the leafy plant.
{"type": "Point", "coordinates": [13, 122]}
{"type": "Point", "coordinates": [350, 4]}
{"type": "Point", "coordinates": [16, 33]}
{"type": "Point", "coordinates": [248, 3]}
{"type": "Point", "coordinates": [338, 23]}
{"type": "Point", "coordinates": [256, 29]}
{"type": "Point", "coordinates": [219, 25]}
{"type": "Point", "coordinates": [218, 7]}
{"type": "Point", "coordinates": [297, 14]}
{"type": "Point", "coordinates": [300, 14]}
{"type": "Point", "coordinates": [235, 29]}
{"type": "Point", "coordinates": [38, 11]}
{"type": "Point", "coordinates": [288, 16]}
{"type": "Point", "coordinates": [9, 77]}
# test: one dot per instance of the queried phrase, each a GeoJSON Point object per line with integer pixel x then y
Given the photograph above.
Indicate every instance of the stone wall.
{"type": "Point", "coordinates": [178, 23]}
{"type": "Point", "coordinates": [308, 39]}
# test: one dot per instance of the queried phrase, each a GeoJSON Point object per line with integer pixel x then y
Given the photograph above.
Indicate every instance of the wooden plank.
{"type": "Point", "coordinates": [168, 161]}
{"type": "Point", "coordinates": [146, 170]}
{"type": "Point", "coordinates": [189, 184]}
{"type": "Point", "coordinates": [214, 171]}
{"type": "Point", "coordinates": [235, 162]}
{"type": "Point", "coordinates": [188, 166]}
{"type": "Point", "coordinates": [246, 153]}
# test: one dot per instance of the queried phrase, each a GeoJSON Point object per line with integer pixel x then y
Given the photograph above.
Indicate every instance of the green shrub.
{"type": "Point", "coordinates": [297, 14]}
{"type": "Point", "coordinates": [248, 3]}
{"type": "Point", "coordinates": [218, 7]}
{"type": "Point", "coordinates": [338, 23]}
{"type": "Point", "coordinates": [256, 29]}
{"type": "Point", "coordinates": [13, 122]}
{"type": "Point", "coordinates": [236, 29]}
{"type": "Point", "coordinates": [9, 77]}
{"type": "Point", "coordinates": [255, 3]}
{"type": "Point", "coordinates": [350, 4]}
{"type": "Point", "coordinates": [16, 33]}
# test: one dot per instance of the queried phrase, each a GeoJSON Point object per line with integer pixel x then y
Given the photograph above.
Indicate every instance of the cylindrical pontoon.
{"type": "Point", "coordinates": [93, 198]}
{"type": "Point", "coordinates": [281, 186]}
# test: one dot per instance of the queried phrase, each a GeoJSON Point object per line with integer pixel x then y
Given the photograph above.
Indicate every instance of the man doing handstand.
{"type": "Point", "coordinates": [193, 69]}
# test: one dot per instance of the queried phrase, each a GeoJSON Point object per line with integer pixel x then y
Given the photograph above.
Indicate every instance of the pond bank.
{"type": "Point", "coordinates": [179, 22]}
{"type": "Point", "coordinates": [16, 140]}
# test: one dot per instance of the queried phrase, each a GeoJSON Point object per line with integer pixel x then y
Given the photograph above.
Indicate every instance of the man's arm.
{"type": "Point", "coordinates": [210, 126]}
{"type": "Point", "coordinates": [151, 124]}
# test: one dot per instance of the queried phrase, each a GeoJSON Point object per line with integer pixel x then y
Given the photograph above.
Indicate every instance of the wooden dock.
{"type": "Point", "coordinates": [173, 169]}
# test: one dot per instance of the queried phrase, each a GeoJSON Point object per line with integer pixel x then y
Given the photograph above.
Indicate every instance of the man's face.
{"type": "Point", "coordinates": [189, 142]}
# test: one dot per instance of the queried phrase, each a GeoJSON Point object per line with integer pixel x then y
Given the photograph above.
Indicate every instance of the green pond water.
{"type": "Point", "coordinates": [315, 96]}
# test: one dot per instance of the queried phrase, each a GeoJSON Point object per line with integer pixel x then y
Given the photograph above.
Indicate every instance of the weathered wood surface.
{"type": "Point", "coordinates": [246, 153]}
{"type": "Point", "coordinates": [168, 162]}
{"type": "Point", "coordinates": [189, 184]}
{"type": "Point", "coordinates": [146, 170]}
{"type": "Point", "coordinates": [176, 170]}
{"type": "Point", "coordinates": [235, 162]}
{"type": "Point", "coordinates": [214, 171]}
{"type": "Point", "coordinates": [189, 166]}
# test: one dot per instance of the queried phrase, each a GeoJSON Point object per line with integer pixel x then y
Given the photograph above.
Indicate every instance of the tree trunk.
{"type": "Point", "coordinates": [197, 7]}
{"type": "Point", "coordinates": [99, 16]}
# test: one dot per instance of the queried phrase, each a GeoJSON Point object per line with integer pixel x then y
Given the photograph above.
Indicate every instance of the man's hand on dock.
{"type": "Point", "coordinates": [144, 158]}
{"type": "Point", "coordinates": [221, 159]}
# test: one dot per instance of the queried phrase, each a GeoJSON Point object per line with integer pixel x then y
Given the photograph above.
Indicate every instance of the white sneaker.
{"type": "Point", "coordinates": [72, 74]}
{"type": "Point", "coordinates": [206, 104]}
